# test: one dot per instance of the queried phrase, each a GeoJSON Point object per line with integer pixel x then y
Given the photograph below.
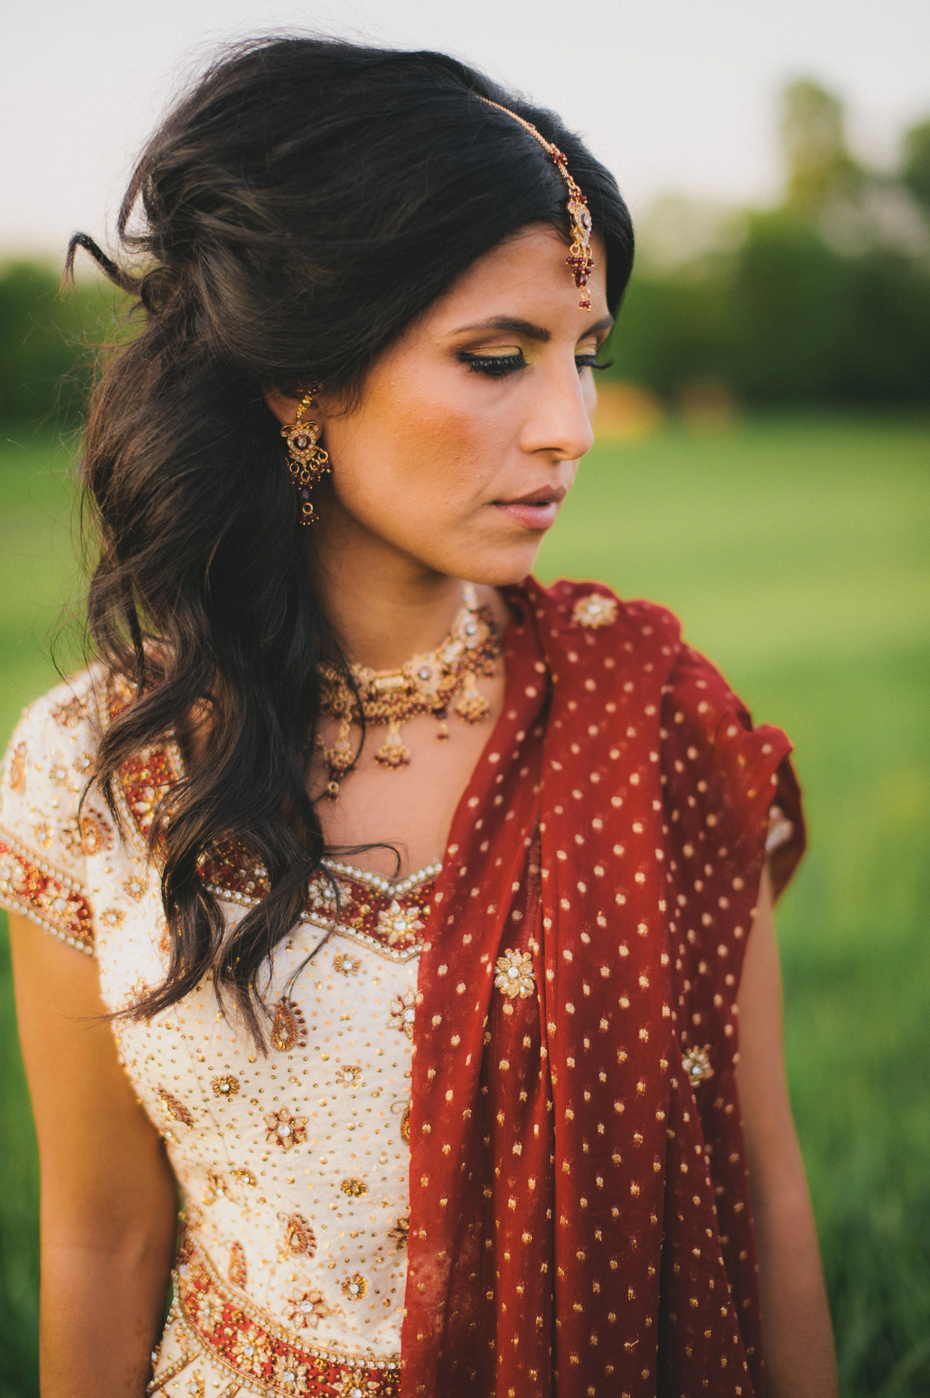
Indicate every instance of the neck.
{"type": "Point", "coordinates": [384, 605]}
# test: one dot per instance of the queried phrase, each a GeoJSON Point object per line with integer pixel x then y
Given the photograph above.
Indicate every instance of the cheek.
{"type": "Point", "coordinates": [410, 447]}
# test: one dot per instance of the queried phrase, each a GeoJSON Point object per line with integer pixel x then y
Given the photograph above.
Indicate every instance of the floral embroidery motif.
{"type": "Point", "coordinates": [173, 1108]}
{"type": "Point", "coordinates": [52, 900]}
{"type": "Point", "coordinates": [96, 834]}
{"type": "Point", "coordinates": [355, 1287]}
{"type": "Point", "coordinates": [195, 1385]}
{"type": "Point", "coordinates": [346, 965]}
{"type": "Point", "coordinates": [216, 1185]}
{"type": "Point", "coordinates": [69, 715]}
{"type": "Point", "coordinates": [595, 610]}
{"type": "Point", "coordinates": [515, 974]}
{"type": "Point", "coordinates": [245, 1177]}
{"type": "Point", "coordinates": [400, 1233]}
{"type": "Point", "coordinates": [400, 926]}
{"type": "Point", "coordinates": [292, 1377]}
{"type": "Point", "coordinates": [17, 775]}
{"type": "Point", "coordinates": [135, 887]}
{"type": "Point", "coordinates": [43, 833]}
{"type": "Point", "coordinates": [58, 773]}
{"type": "Point", "coordinates": [305, 1309]}
{"type": "Point", "coordinates": [696, 1064]}
{"type": "Point", "coordinates": [354, 1188]}
{"type": "Point", "coordinates": [288, 1028]}
{"type": "Point", "coordinates": [112, 917]}
{"type": "Point", "coordinates": [238, 1272]}
{"type": "Point", "coordinates": [349, 1075]}
{"type": "Point", "coordinates": [403, 1012]}
{"type": "Point", "coordinates": [226, 1086]}
{"type": "Point", "coordinates": [299, 1238]}
{"type": "Point", "coordinates": [284, 1130]}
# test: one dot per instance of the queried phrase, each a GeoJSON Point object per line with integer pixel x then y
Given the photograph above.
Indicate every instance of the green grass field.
{"type": "Point", "coordinates": [797, 553]}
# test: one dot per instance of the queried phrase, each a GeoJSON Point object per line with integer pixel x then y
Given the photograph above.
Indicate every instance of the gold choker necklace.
{"type": "Point", "coordinates": [427, 684]}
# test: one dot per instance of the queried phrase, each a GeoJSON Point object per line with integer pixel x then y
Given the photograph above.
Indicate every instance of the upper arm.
{"type": "Point", "coordinates": [104, 1169]}
{"type": "Point", "coordinates": [771, 1142]}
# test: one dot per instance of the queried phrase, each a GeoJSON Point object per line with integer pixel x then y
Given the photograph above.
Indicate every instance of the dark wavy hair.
{"type": "Point", "coordinates": [294, 213]}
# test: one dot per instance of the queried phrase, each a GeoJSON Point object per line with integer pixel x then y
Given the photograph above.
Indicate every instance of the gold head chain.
{"type": "Point", "coordinates": [432, 683]}
{"type": "Point", "coordinates": [579, 259]}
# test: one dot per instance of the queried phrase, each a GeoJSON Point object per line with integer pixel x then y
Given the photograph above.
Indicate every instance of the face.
{"type": "Point", "coordinates": [469, 429]}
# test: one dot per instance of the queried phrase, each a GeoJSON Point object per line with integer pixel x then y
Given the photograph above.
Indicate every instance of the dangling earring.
{"type": "Point", "coordinates": [306, 461]}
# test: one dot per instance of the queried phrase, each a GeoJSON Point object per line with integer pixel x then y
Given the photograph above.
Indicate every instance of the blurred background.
{"type": "Point", "coordinates": [762, 466]}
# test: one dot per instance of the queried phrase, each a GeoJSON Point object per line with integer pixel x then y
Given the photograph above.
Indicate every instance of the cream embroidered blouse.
{"type": "Point", "coordinates": [292, 1167]}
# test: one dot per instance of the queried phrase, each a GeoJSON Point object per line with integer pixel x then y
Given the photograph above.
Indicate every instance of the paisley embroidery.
{"type": "Point", "coordinates": [17, 774]}
{"type": "Point", "coordinates": [173, 1108]}
{"type": "Point", "coordinates": [238, 1272]}
{"type": "Point", "coordinates": [96, 832]}
{"type": "Point", "coordinates": [288, 1028]}
{"type": "Point", "coordinates": [299, 1238]}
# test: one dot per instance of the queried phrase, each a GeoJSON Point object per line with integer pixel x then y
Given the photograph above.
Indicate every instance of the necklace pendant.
{"type": "Point", "coordinates": [393, 752]}
{"type": "Point", "coordinates": [471, 705]}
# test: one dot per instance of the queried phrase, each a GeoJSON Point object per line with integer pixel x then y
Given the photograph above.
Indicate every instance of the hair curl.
{"type": "Point", "coordinates": [294, 213]}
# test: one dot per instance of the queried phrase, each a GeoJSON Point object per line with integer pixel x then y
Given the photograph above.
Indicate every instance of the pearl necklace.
{"type": "Point", "coordinates": [428, 684]}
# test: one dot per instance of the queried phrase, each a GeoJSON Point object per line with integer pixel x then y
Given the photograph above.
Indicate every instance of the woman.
{"type": "Point", "coordinates": [417, 898]}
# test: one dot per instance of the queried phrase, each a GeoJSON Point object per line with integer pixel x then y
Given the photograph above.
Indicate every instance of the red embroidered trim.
{"type": "Point", "coordinates": [247, 1342]}
{"type": "Point", "coordinates": [30, 886]}
{"type": "Point", "coordinates": [378, 916]}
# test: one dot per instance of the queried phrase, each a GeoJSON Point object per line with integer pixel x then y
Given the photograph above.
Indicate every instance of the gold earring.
{"type": "Point", "coordinates": [306, 461]}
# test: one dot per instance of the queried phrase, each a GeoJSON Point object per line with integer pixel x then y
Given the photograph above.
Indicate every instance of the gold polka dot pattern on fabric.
{"type": "Point", "coordinates": [592, 1196]}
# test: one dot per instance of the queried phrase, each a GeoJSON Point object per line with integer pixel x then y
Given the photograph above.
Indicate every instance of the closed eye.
{"type": "Point", "coordinates": [498, 366]}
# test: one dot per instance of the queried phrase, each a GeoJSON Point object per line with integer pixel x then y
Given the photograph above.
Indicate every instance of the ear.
{"type": "Point", "coordinates": [284, 408]}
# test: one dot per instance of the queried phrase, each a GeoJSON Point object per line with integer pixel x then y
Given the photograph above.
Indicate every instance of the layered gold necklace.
{"type": "Point", "coordinates": [433, 683]}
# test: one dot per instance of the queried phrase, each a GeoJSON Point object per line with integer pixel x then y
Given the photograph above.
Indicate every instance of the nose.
{"type": "Point", "coordinates": [557, 421]}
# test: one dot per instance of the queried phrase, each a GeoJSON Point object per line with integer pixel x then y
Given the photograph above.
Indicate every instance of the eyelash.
{"type": "Point", "coordinates": [498, 366]}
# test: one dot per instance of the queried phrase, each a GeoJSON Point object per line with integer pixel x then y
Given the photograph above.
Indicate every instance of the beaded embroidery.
{"type": "Point", "coordinates": [31, 887]}
{"type": "Point", "coordinates": [246, 1342]}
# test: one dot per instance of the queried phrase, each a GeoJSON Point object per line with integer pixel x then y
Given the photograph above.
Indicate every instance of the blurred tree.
{"type": "Point", "coordinates": [819, 165]}
{"type": "Point", "coordinates": [823, 299]}
{"type": "Point", "coordinates": [915, 173]}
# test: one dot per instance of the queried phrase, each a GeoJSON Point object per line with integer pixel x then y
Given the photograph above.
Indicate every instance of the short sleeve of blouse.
{"type": "Point", "coordinates": [731, 794]}
{"type": "Point", "coordinates": [46, 830]}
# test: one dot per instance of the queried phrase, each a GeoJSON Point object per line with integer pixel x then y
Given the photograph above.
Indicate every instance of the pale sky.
{"type": "Point", "coordinates": [671, 94]}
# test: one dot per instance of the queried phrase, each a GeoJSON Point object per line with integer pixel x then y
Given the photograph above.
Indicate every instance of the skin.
{"type": "Point", "coordinates": [426, 467]}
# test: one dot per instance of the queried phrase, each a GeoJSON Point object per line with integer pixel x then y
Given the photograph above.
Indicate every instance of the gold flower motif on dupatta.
{"type": "Point", "coordinates": [594, 610]}
{"type": "Point", "coordinates": [515, 974]}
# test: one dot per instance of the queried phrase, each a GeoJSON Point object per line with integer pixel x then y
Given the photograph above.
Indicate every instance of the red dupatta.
{"type": "Point", "coordinates": [580, 1218]}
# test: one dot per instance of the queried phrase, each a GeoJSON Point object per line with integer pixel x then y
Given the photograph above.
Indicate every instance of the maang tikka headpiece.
{"type": "Point", "coordinates": [579, 259]}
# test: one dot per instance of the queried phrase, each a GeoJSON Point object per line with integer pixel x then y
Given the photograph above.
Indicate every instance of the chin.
{"type": "Point", "coordinates": [499, 568]}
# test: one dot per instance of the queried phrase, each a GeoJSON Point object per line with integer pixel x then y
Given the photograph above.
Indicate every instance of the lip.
{"type": "Point", "coordinates": [537, 509]}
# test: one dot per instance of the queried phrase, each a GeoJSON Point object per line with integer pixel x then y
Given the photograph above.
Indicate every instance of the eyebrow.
{"type": "Point", "coordinates": [527, 329]}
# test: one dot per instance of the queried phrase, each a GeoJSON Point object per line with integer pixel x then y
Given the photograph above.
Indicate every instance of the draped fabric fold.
{"type": "Point", "coordinates": [580, 1218]}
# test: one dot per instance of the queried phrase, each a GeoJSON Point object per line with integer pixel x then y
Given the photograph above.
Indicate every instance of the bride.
{"type": "Point", "coordinates": [411, 921]}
